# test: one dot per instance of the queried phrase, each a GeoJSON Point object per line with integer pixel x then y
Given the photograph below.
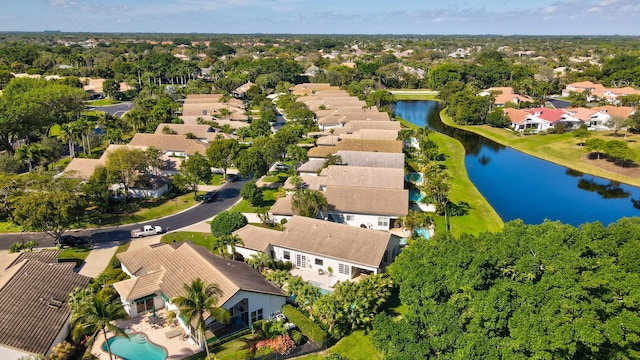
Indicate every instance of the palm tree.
{"type": "Point", "coordinates": [200, 298]}
{"type": "Point", "coordinates": [67, 135]}
{"type": "Point", "coordinates": [260, 261]}
{"type": "Point", "coordinates": [94, 314]}
{"type": "Point", "coordinates": [308, 203]}
{"type": "Point", "coordinates": [32, 154]}
{"type": "Point", "coordinates": [226, 242]}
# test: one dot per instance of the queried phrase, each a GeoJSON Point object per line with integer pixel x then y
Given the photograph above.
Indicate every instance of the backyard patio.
{"type": "Point", "coordinates": [160, 333]}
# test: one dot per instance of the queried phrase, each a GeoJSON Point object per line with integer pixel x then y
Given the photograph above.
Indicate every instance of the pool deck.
{"type": "Point", "coordinates": [325, 281]}
{"type": "Point", "coordinates": [177, 348]}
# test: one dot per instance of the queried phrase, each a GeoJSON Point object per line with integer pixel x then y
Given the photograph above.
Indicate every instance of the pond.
{"type": "Point", "coordinates": [519, 186]}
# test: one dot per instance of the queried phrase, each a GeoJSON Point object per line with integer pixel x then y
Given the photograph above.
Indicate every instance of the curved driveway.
{"type": "Point", "coordinates": [228, 195]}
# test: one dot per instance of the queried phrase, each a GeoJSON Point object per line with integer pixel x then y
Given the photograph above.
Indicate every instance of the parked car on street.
{"type": "Point", "coordinates": [232, 177]}
{"type": "Point", "coordinates": [210, 196]}
{"type": "Point", "coordinates": [146, 230]}
{"type": "Point", "coordinates": [71, 240]}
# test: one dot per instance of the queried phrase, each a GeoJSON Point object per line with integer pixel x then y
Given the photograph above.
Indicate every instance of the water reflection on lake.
{"type": "Point", "coordinates": [521, 186]}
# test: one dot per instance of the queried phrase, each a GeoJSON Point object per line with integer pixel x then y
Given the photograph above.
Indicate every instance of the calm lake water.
{"type": "Point", "coordinates": [519, 186]}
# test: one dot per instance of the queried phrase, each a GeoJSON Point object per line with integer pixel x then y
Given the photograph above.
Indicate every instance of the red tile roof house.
{"type": "Point", "coordinates": [34, 309]}
{"type": "Point", "coordinates": [159, 272]}
{"type": "Point", "coordinates": [538, 120]}
{"type": "Point", "coordinates": [316, 245]}
{"type": "Point", "coordinates": [504, 95]}
{"type": "Point", "coordinates": [595, 90]}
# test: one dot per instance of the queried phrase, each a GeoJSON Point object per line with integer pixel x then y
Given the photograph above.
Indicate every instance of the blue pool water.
{"type": "Point", "coordinates": [423, 232]}
{"type": "Point", "coordinates": [415, 195]}
{"type": "Point", "coordinates": [414, 177]}
{"type": "Point", "coordinates": [318, 285]}
{"type": "Point", "coordinates": [136, 347]}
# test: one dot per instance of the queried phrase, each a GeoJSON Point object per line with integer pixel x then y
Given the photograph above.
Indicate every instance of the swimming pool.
{"type": "Point", "coordinates": [423, 232]}
{"type": "Point", "coordinates": [318, 285]}
{"type": "Point", "coordinates": [136, 347]}
{"type": "Point", "coordinates": [415, 195]}
{"type": "Point", "coordinates": [414, 177]}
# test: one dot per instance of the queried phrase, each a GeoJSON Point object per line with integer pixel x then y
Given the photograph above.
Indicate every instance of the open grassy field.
{"type": "Point", "coordinates": [561, 149]}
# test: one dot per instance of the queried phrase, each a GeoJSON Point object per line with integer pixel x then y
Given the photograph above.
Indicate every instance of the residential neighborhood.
{"type": "Point", "coordinates": [246, 196]}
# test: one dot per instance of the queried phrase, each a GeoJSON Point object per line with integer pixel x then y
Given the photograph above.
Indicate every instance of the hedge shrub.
{"type": "Point", "coordinates": [306, 326]}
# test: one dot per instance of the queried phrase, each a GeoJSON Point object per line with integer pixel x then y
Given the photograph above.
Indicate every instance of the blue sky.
{"type": "Point", "coordinates": [538, 17]}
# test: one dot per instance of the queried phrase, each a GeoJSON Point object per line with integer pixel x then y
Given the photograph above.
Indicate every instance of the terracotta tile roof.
{"type": "Point", "coordinates": [187, 262]}
{"type": "Point", "coordinates": [622, 112]}
{"type": "Point", "coordinates": [339, 241]}
{"type": "Point", "coordinates": [506, 94]}
{"type": "Point", "coordinates": [581, 113]}
{"type": "Point", "coordinates": [516, 116]}
{"type": "Point", "coordinates": [168, 143]}
{"type": "Point", "coordinates": [383, 146]}
{"type": "Point", "coordinates": [34, 304]}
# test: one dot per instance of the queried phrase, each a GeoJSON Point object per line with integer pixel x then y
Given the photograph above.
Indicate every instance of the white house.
{"type": "Point", "coordinates": [371, 208]}
{"type": "Point", "coordinates": [159, 272]}
{"type": "Point", "coordinates": [319, 245]}
{"type": "Point", "coordinates": [603, 116]}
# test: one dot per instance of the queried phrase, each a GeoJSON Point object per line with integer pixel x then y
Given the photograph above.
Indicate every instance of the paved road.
{"type": "Point", "coordinates": [116, 110]}
{"type": "Point", "coordinates": [229, 194]}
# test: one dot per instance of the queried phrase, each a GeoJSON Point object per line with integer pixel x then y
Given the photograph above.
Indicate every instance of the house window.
{"type": "Point", "coordinates": [256, 315]}
{"type": "Point", "coordinates": [349, 217]}
{"type": "Point", "coordinates": [319, 262]}
{"type": "Point", "coordinates": [383, 221]}
{"type": "Point", "coordinates": [344, 269]}
{"type": "Point", "coordinates": [286, 255]}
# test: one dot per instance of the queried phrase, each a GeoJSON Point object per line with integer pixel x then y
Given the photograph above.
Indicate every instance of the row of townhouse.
{"type": "Point", "coordinates": [175, 141]}
{"type": "Point", "coordinates": [365, 193]}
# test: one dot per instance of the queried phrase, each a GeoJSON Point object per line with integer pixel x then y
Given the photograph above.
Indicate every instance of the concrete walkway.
{"type": "Point", "coordinates": [98, 259]}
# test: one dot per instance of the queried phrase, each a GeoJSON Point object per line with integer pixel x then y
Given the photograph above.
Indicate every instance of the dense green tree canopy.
{"type": "Point", "coordinates": [227, 222]}
{"type": "Point", "coordinates": [529, 291]}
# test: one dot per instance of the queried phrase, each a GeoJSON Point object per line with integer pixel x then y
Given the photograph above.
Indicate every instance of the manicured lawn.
{"type": "Point", "coordinates": [80, 252]}
{"type": "Point", "coordinates": [268, 199]}
{"type": "Point", "coordinates": [356, 346]}
{"type": "Point", "coordinates": [418, 96]}
{"type": "Point", "coordinates": [481, 217]}
{"type": "Point", "coordinates": [197, 238]}
{"type": "Point", "coordinates": [562, 149]}
{"type": "Point", "coordinates": [149, 210]}
{"type": "Point", "coordinates": [216, 179]}
{"type": "Point", "coordinates": [236, 349]}
{"type": "Point", "coordinates": [8, 227]}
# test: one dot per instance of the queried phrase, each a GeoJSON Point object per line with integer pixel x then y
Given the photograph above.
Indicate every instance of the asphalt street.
{"type": "Point", "coordinates": [228, 195]}
{"type": "Point", "coordinates": [116, 110]}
